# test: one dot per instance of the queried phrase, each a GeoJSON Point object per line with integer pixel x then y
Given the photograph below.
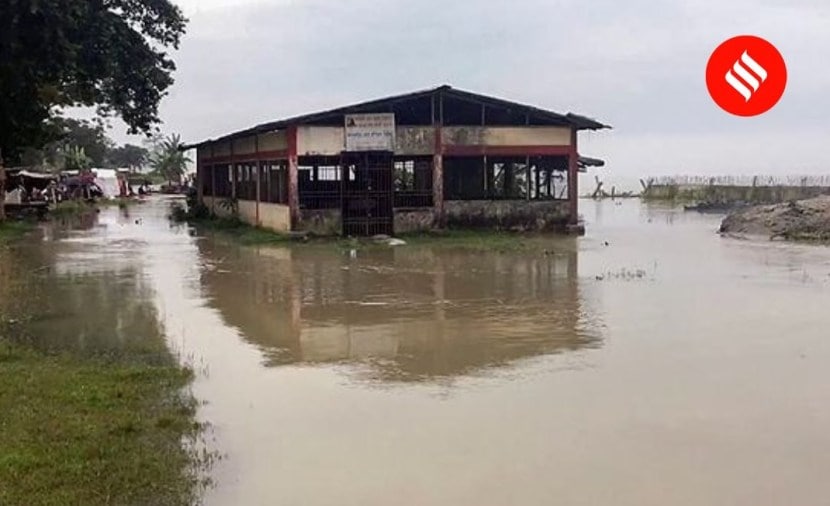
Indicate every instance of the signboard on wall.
{"type": "Point", "coordinates": [370, 132]}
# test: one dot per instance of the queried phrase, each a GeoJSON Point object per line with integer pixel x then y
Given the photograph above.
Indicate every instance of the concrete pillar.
{"type": "Point", "coordinates": [438, 178]}
{"type": "Point", "coordinates": [293, 178]}
{"type": "Point", "coordinates": [573, 174]}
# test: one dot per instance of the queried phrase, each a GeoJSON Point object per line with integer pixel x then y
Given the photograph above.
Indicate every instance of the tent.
{"type": "Point", "coordinates": [107, 181]}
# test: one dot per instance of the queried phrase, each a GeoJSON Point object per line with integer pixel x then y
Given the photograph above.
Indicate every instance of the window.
{"type": "Point", "coordinates": [549, 177]}
{"type": "Point", "coordinates": [273, 182]}
{"type": "Point", "coordinates": [328, 173]}
{"type": "Point", "coordinates": [412, 182]}
{"type": "Point", "coordinates": [246, 181]}
{"type": "Point", "coordinates": [464, 178]}
{"type": "Point", "coordinates": [319, 182]}
{"type": "Point", "coordinates": [223, 178]}
{"type": "Point", "coordinates": [507, 178]}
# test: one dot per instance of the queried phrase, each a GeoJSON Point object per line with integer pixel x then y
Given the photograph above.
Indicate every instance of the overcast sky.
{"type": "Point", "coordinates": [637, 65]}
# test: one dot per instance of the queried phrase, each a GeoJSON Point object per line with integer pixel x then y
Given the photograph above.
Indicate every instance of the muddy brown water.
{"type": "Point", "coordinates": [650, 362]}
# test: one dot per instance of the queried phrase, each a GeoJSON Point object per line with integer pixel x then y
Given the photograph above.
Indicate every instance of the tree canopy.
{"type": "Point", "coordinates": [90, 137]}
{"type": "Point", "coordinates": [109, 54]}
{"type": "Point", "coordinates": [129, 155]}
{"type": "Point", "coordinates": [86, 135]}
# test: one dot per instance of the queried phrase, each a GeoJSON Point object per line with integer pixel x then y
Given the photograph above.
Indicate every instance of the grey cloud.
{"type": "Point", "coordinates": [638, 65]}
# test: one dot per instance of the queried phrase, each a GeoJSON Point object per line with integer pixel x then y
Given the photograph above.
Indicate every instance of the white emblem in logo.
{"type": "Point", "coordinates": [742, 67]}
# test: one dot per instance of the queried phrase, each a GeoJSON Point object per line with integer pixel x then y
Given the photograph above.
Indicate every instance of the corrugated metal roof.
{"type": "Point", "coordinates": [569, 119]}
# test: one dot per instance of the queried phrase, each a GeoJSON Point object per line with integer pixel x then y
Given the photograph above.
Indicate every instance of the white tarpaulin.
{"type": "Point", "coordinates": [107, 180]}
{"type": "Point", "coordinates": [370, 132]}
{"type": "Point", "coordinates": [36, 175]}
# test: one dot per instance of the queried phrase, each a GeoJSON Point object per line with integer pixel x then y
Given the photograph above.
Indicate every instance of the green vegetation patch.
{"type": "Point", "coordinates": [69, 208]}
{"type": "Point", "coordinates": [11, 230]}
{"type": "Point", "coordinates": [94, 431]}
{"type": "Point", "coordinates": [468, 239]}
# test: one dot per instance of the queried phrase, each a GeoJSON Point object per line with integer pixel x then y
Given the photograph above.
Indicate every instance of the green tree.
{"type": "Point", "coordinates": [130, 156]}
{"type": "Point", "coordinates": [87, 135]}
{"type": "Point", "coordinates": [75, 158]}
{"type": "Point", "coordinates": [108, 54]}
{"type": "Point", "coordinates": [169, 159]}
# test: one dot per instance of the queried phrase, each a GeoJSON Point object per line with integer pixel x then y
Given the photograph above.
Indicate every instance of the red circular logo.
{"type": "Point", "coordinates": [746, 75]}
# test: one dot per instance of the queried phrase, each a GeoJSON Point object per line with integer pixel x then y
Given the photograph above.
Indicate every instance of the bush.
{"type": "Point", "coordinates": [178, 213]}
{"type": "Point", "coordinates": [194, 211]}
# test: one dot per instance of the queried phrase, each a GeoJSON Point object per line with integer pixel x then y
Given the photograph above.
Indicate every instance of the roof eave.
{"type": "Point", "coordinates": [581, 122]}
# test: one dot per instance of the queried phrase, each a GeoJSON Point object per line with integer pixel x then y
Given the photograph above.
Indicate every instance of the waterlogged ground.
{"type": "Point", "coordinates": [648, 363]}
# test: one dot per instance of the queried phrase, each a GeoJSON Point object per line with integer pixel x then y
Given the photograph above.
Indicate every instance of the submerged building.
{"type": "Point", "coordinates": [414, 162]}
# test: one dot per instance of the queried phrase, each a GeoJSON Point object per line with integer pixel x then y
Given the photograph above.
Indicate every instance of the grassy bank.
{"type": "Point", "coordinates": [475, 240]}
{"type": "Point", "coordinates": [240, 232]}
{"type": "Point", "coordinates": [93, 430]}
{"type": "Point", "coordinates": [11, 230]}
{"type": "Point", "coordinates": [82, 427]}
{"type": "Point", "coordinates": [71, 208]}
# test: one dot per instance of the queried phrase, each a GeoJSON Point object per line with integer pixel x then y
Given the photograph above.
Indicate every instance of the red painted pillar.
{"type": "Point", "coordinates": [438, 178]}
{"type": "Point", "coordinates": [573, 175]}
{"type": "Point", "coordinates": [293, 179]}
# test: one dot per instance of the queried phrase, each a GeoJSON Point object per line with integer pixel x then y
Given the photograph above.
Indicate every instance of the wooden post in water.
{"type": "Point", "coordinates": [598, 191]}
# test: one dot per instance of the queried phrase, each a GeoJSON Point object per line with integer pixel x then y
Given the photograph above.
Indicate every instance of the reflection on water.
{"type": "Point", "coordinates": [413, 313]}
{"type": "Point", "coordinates": [72, 287]}
{"type": "Point", "coordinates": [703, 381]}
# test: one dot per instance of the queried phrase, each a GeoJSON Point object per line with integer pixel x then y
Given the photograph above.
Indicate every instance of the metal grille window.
{"type": "Point", "coordinates": [273, 186]}
{"type": "Point", "coordinates": [412, 180]}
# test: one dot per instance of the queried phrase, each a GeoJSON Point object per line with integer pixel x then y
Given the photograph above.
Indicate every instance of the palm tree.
{"type": "Point", "coordinates": [75, 158]}
{"type": "Point", "coordinates": [169, 159]}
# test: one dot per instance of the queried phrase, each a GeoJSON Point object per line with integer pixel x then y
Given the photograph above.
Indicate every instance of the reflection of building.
{"type": "Point", "coordinates": [403, 163]}
{"type": "Point", "coordinates": [409, 313]}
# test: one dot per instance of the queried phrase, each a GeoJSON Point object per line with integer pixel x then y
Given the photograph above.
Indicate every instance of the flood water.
{"type": "Point", "coordinates": [649, 363]}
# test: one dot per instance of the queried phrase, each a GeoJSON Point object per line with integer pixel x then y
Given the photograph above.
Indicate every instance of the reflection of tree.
{"type": "Point", "coordinates": [412, 314]}
{"type": "Point", "coordinates": [99, 312]}
{"type": "Point", "coordinates": [63, 305]}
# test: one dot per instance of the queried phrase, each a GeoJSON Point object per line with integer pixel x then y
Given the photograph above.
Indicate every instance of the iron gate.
{"type": "Point", "coordinates": [367, 193]}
